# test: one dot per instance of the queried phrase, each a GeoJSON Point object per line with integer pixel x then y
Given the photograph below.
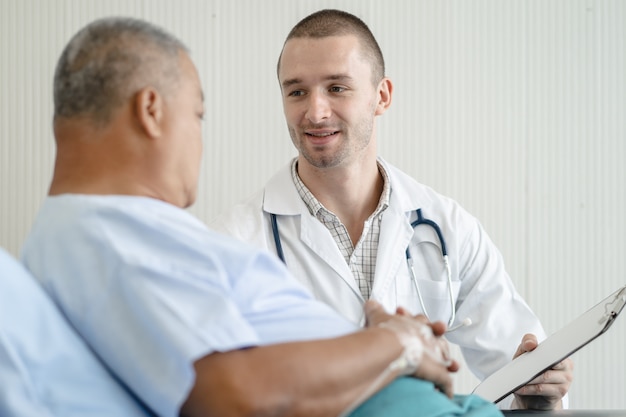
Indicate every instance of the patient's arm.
{"type": "Point", "coordinates": [319, 378]}
{"type": "Point", "coordinates": [316, 378]}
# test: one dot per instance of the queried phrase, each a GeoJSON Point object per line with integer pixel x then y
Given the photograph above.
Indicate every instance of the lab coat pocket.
{"type": "Point", "coordinates": [430, 279]}
{"type": "Point", "coordinates": [436, 297]}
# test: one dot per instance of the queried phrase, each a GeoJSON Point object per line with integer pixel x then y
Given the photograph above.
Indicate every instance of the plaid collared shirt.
{"type": "Point", "coordinates": [362, 258]}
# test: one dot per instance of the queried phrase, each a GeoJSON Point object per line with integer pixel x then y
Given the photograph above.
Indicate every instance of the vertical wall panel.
{"type": "Point", "coordinates": [515, 109]}
{"type": "Point", "coordinates": [576, 176]}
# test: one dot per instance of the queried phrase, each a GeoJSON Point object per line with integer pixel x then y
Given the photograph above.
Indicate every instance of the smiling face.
{"type": "Point", "coordinates": [330, 100]}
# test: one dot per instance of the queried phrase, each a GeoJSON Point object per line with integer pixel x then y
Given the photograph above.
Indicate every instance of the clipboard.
{"type": "Point", "coordinates": [553, 350]}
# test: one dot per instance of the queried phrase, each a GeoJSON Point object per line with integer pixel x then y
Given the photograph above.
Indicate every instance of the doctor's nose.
{"type": "Point", "coordinates": [318, 108]}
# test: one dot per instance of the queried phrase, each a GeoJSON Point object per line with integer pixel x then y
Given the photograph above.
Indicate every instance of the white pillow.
{"type": "Point", "coordinates": [45, 367]}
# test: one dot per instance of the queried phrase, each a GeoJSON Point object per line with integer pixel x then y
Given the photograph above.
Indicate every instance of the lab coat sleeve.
{"type": "Point", "coordinates": [246, 221]}
{"type": "Point", "coordinates": [500, 317]}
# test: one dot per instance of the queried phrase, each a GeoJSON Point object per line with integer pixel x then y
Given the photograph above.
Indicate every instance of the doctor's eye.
{"type": "Point", "coordinates": [337, 89]}
{"type": "Point", "coordinates": [295, 93]}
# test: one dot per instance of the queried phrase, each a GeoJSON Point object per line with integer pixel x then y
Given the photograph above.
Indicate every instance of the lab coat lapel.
{"type": "Point", "coordinates": [282, 198]}
{"type": "Point", "coordinates": [395, 229]}
{"type": "Point", "coordinates": [319, 240]}
{"type": "Point", "coordinates": [395, 235]}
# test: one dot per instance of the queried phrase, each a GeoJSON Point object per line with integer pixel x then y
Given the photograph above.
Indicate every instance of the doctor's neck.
{"type": "Point", "coordinates": [351, 191]}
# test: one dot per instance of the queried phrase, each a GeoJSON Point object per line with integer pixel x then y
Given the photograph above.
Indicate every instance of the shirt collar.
{"type": "Point", "coordinates": [316, 208]}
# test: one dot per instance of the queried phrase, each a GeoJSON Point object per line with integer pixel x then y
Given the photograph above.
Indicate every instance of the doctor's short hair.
{"type": "Point", "coordinates": [108, 61]}
{"type": "Point", "coordinates": [332, 22]}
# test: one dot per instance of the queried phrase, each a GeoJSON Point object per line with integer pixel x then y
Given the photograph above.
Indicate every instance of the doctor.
{"type": "Point", "coordinates": [352, 227]}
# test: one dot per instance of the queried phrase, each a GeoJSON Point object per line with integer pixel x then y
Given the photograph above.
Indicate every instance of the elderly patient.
{"type": "Point", "coordinates": [192, 322]}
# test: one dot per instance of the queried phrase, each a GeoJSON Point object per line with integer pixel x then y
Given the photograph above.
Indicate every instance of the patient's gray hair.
{"type": "Point", "coordinates": [108, 61]}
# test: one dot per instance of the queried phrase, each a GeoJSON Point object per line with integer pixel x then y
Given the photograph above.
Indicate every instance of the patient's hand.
{"type": "Point", "coordinates": [426, 352]}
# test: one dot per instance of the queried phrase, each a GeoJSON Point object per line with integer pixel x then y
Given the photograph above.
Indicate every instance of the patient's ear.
{"type": "Point", "coordinates": [149, 111]}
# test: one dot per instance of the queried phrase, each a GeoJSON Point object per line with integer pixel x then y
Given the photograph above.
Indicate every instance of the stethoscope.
{"type": "Point", "coordinates": [420, 221]}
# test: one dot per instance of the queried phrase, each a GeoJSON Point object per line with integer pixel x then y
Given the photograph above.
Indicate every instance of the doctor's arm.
{"type": "Point", "coordinates": [318, 378]}
{"type": "Point", "coordinates": [500, 316]}
{"type": "Point", "coordinates": [545, 392]}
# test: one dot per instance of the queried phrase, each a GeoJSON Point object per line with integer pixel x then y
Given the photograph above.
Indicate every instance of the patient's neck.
{"type": "Point", "coordinates": [96, 159]}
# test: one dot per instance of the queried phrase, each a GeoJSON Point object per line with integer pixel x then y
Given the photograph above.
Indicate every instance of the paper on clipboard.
{"type": "Point", "coordinates": [554, 349]}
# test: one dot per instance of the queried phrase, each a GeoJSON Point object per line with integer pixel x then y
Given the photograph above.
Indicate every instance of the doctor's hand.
{"type": "Point", "coordinates": [424, 347]}
{"type": "Point", "coordinates": [547, 390]}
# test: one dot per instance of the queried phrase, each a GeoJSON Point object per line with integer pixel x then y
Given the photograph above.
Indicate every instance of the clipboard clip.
{"type": "Point", "coordinates": [614, 307]}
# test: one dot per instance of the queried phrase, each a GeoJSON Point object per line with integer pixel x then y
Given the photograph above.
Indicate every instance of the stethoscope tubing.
{"type": "Point", "coordinates": [277, 242]}
{"type": "Point", "coordinates": [420, 221]}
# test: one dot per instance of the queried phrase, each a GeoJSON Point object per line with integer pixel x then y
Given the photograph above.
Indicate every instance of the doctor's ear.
{"type": "Point", "coordinates": [149, 109]}
{"type": "Point", "coordinates": [385, 90]}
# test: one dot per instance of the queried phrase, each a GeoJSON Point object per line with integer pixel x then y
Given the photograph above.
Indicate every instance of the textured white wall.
{"type": "Point", "coordinates": [517, 109]}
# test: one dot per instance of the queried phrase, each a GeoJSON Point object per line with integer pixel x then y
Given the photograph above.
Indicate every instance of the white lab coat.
{"type": "Point", "coordinates": [482, 288]}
